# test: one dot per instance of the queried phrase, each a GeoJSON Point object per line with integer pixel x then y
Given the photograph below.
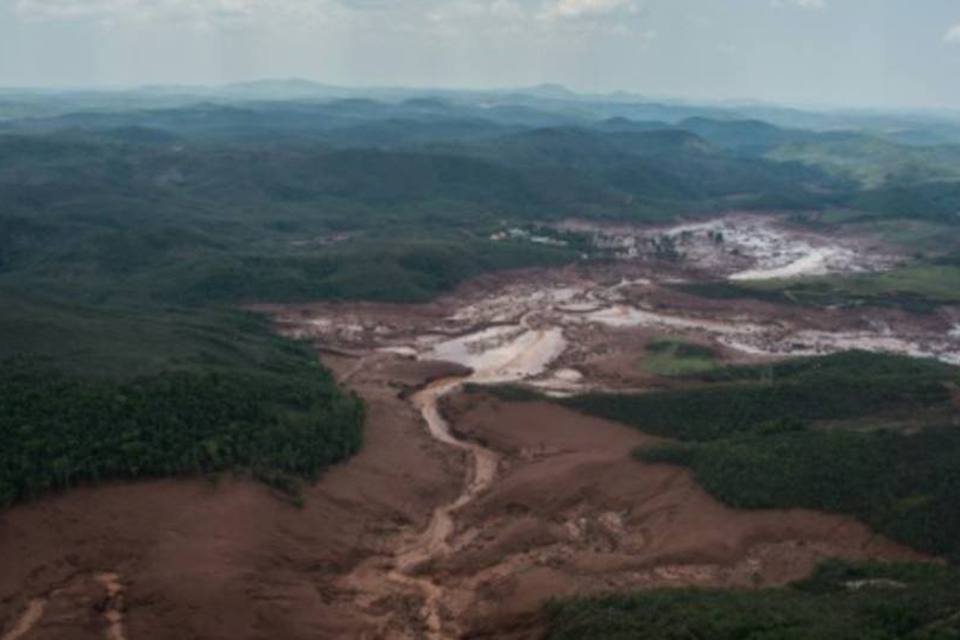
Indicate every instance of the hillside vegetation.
{"type": "Point", "coordinates": [838, 387]}
{"type": "Point", "coordinates": [58, 431]}
{"type": "Point", "coordinates": [134, 225]}
{"type": "Point", "coordinates": [840, 601]}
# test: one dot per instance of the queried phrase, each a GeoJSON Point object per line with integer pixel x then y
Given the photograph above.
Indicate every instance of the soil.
{"type": "Point", "coordinates": [463, 513]}
{"type": "Point", "coordinates": [572, 512]}
{"type": "Point", "coordinates": [229, 558]}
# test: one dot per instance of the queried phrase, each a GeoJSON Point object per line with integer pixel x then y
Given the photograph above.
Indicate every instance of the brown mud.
{"type": "Point", "coordinates": [463, 513]}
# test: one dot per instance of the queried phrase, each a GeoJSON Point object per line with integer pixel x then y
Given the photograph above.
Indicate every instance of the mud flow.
{"type": "Point", "coordinates": [464, 513]}
{"type": "Point", "coordinates": [551, 504]}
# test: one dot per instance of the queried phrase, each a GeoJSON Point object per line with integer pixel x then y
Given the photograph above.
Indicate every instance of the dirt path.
{"type": "Point", "coordinates": [104, 592]}
{"type": "Point", "coordinates": [113, 605]}
{"type": "Point", "coordinates": [227, 559]}
{"type": "Point", "coordinates": [432, 544]}
{"type": "Point", "coordinates": [484, 470]}
{"type": "Point", "coordinates": [31, 616]}
{"type": "Point", "coordinates": [458, 519]}
{"type": "Point", "coordinates": [568, 510]}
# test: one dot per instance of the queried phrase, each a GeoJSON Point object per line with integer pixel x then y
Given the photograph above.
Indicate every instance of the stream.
{"type": "Point", "coordinates": [516, 353]}
{"type": "Point", "coordinates": [433, 542]}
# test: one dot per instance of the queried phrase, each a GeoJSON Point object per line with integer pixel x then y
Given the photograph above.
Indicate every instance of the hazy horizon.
{"type": "Point", "coordinates": [836, 53]}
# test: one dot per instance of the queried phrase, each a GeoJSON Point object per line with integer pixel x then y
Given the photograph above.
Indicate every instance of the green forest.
{"type": "Point", "coordinates": [730, 401]}
{"type": "Point", "coordinates": [60, 430]}
{"type": "Point", "coordinates": [135, 227]}
{"type": "Point", "coordinates": [840, 601]}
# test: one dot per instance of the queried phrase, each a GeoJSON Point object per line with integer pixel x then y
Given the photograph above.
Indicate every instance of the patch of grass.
{"type": "Point", "coordinates": [676, 357]}
{"type": "Point", "coordinates": [841, 602]}
{"type": "Point", "coordinates": [920, 288]}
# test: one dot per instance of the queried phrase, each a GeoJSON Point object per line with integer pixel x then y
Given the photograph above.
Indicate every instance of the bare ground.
{"type": "Point", "coordinates": [569, 512]}
{"type": "Point", "coordinates": [231, 559]}
{"type": "Point", "coordinates": [422, 535]}
{"type": "Point", "coordinates": [572, 512]}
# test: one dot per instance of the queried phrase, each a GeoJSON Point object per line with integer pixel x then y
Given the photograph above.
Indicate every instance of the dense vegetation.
{"type": "Point", "coordinates": [840, 602]}
{"type": "Point", "coordinates": [91, 393]}
{"type": "Point", "coordinates": [839, 387]}
{"type": "Point", "coordinates": [133, 224]}
{"type": "Point", "coordinates": [59, 430]}
{"type": "Point", "coordinates": [668, 357]}
{"type": "Point", "coordinates": [104, 221]}
{"type": "Point", "coordinates": [864, 365]}
{"type": "Point", "coordinates": [123, 342]}
{"type": "Point", "coordinates": [229, 198]}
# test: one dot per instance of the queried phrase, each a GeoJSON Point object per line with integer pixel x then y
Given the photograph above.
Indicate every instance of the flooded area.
{"type": "Point", "coordinates": [466, 510]}
{"type": "Point", "coordinates": [741, 247]}
{"type": "Point", "coordinates": [566, 331]}
{"type": "Point", "coordinates": [526, 328]}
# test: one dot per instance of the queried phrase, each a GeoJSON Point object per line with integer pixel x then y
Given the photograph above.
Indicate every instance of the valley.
{"type": "Point", "coordinates": [552, 504]}
{"type": "Point", "coordinates": [449, 364]}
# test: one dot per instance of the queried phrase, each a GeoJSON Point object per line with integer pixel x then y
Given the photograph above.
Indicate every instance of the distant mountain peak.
{"type": "Point", "coordinates": [286, 83]}
{"type": "Point", "coordinates": [549, 90]}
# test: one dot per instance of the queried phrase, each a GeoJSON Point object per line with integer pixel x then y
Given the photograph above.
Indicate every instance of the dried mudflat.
{"type": "Point", "coordinates": [463, 513]}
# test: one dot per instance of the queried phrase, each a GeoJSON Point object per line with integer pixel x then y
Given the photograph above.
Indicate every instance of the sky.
{"type": "Point", "coordinates": [859, 53]}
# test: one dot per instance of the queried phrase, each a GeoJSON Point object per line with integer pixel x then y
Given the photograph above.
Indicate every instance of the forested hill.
{"type": "Point", "coordinates": [133, 226]}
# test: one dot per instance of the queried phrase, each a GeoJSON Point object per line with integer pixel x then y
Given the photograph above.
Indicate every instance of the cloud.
{"type": "Point", "coordinates": [589, 8]}
{"type": "Point", "coordinates": [197, 12]}
{"type": "Point", "coordinates": [541, 19]}
{"type": "Point", "coordinates": [802, 4]}
{"type": "Point", "coordinates": [953, 35]}
{"type": "Point", "coordinates": [69, 9]}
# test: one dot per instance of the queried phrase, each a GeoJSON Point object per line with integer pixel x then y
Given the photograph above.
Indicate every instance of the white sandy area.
{"type": "Point", "coordinates": [816, 263]}
{"type": "Point", "coordinates": [812, 343]}
{"type": "Point", "coordinates": [626, 316]}
{"type": "Point", "coordinates": [503, 354]}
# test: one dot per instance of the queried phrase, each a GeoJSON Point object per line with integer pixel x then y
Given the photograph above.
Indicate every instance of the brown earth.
{"type": "Point", "coordinates": [569, 512]}
{"type": "Point", "coordinates": [573, 512]}
{"type": "Point", "coordinates": [228, 560]}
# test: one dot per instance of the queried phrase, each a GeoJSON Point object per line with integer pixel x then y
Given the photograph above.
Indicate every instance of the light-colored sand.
{"type": "Point", "coordinates": [744, 247]}
{"type": "Point", "coordinates": [502, 354]}
{"type": "Point", "coordinates": [817, 262]}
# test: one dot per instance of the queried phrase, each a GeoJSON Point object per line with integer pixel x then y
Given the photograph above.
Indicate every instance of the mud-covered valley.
{"type": "Point", "coordinates": [466, 510]}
